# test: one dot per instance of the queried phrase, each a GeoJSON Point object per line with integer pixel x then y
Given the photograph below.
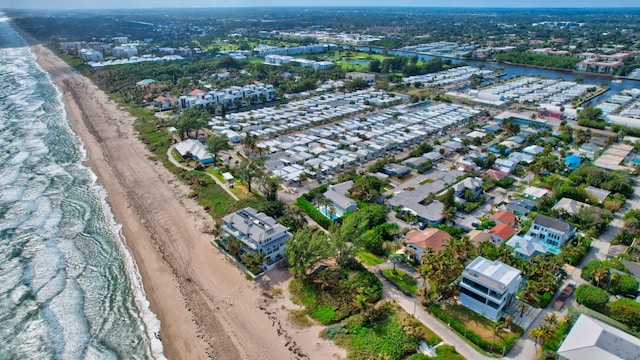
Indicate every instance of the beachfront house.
{"type": "Point", "coordinates": [257, 232]}
{"type": "Point", "coordinates": [194, 149]}
{"type": "Point", "coordinates": [487, 287]}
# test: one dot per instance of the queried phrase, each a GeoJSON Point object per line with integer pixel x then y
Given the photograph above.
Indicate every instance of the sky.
{"type": "Point", "coordinates": [128, 4]}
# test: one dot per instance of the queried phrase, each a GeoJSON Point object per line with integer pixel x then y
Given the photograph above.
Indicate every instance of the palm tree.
{"type": "Point", "coordinates": [600, 274]}
{"type": "Point", "coordinates": [551, 319]}
{"type": "Point", "coordinates": [496, 327]}
{"type": "Point", "coordinates": [508, 320]}
{"type": "Point", "coordinates": [537, 334]}
{"type": "Point", "coordinates": [396, 259]}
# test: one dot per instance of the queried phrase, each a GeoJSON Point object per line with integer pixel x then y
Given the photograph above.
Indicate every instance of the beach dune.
{"type": "Point", "coordinates": [206, 306]}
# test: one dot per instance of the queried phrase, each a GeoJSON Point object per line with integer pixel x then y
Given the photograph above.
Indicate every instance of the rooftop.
{"type": "Point", "coordinates": [503, 231]}
{"type": "Point", "coordinates": [551, 223]}
{"type": "Point", "coordinates": [495, 273]}
{"type": "Point", "coordinates": [504, 217]}
{"type": "Point", "coordinates": [430, 237]}
{"type": "Point", "coordinates": [593, 339]}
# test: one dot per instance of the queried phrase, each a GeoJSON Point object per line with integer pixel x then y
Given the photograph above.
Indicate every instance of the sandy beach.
{"type": "Point", "coordinates": [206, 306]}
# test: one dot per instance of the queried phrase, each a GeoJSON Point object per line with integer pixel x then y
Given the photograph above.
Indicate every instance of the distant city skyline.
{"type": "Point", "coordinates": [139, 4]}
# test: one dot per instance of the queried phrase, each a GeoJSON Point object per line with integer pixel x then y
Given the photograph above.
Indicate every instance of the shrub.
{"type": "Point", "coordinates": [313, 213]}
{"type": "Point", "coordinates": [546, 298]}
{"type": "Point", "coordinates": [592, 297]}
{"type": "Point", "coordinates": [623, 284]}
{"type": "Point", "coordinates": [626, 311]}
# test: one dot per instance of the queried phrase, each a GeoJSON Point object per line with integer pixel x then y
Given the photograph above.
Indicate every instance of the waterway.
{"type": "Point", "coordinates": [516, 70]}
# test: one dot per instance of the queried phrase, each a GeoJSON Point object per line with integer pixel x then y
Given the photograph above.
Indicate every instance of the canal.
{"type": "Point", "coordinates": [515, 70]}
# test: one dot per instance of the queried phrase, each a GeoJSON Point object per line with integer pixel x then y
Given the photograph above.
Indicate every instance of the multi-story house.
{"type": "Point", "coordinates": [474, 184]}
{"type": "Point", "coordinates": [487, 287]}
{"type": "Point", "coordinates": [258, 233]}
{"type": "Point", "coordinates": [552, 232]}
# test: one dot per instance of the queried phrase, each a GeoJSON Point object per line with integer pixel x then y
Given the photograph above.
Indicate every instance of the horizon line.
{"type": "Point", "coordinates": [330, 6]}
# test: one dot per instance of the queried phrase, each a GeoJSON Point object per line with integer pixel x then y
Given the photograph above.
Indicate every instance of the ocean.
{"type": "Point", "coordinates": [69, 288]}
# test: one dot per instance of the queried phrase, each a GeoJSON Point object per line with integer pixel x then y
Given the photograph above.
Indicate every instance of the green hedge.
{"type": "Point", "coordinates": [592, 297]}
{"type": "Point", "coordinates": [313, 213]}
{"type": "Point", "coordinates": [626, 311]}
{"type": "Point", "coordinates": [470, 335]}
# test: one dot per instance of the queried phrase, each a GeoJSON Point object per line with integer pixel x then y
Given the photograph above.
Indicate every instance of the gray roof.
{"type": "Point", "coordinates": [337, 194]}
{"type": "Point", "coordinates": [570, 206]}
{"type": "Point", "coordinates": [551, 223]}
{"type": "Point", "coordinates": [468, 183]}
{"type": "Point", "coordinates": [253, 227]}
{"type": "Point", "coordinates": [495, 273]}
{"type": "Point", "coordinates": [526, 245]}
{"type": "Point", "coordinates": [592, 339]}
{"type": "Point", "coordinates": [600, 194]}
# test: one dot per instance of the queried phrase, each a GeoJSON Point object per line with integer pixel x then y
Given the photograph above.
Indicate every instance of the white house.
{"type": "Point", "coordinates": [194, 149]}
{"type": "Point", "coordinates": [487, 287]}
{"type": "Point", "coordinates": [552, 232]}
{"type": "Point", "coordinates": [592, 339]}
{"type": "Point", "coordinates": [257, 232]}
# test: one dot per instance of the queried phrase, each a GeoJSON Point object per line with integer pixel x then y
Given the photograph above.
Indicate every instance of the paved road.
{"type": "Point", "coordinates": [524, 349]}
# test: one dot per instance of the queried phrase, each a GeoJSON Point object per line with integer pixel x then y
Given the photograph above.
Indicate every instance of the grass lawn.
{"type": "Point", "coordinates": [211, 170]}
{"type": "Point", "coordinates": [402, 280]}
{"type": "Point", "coordinates": [176, 156]}
{"type": "Point", "coordinates": [426, 181]}
{"type": "Point", "coordinates": [394, 336]}
{"type": "Point", "coordinates": [478, 323]}
{"type": "Point", "coordinates": [369, 258]}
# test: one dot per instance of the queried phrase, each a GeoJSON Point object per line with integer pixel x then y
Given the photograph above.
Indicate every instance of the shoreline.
{"type": "Point", "coordinates": [206, 307]}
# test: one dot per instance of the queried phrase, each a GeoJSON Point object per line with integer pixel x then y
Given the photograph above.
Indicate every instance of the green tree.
{"type": "Point", "coordinates": [250, 169]}
{"type": "Point", "coordinates": [233, 246]}
{"type": "Point", "coordinates": [623, 284]}
{"type": "Point", "coordinates": [217, 143]}
{"type": "Point", "coordinates": [592, 297]}
{"type": "Point", "coordinates": [305, 248]}
{"type": "Point", "coordinates": [293, 218]}
{"type": "Point", "coordinates": [626, 311]}
{"type": "Point", "coordinates": [189, 120]}
{"type": "Point", "coordinates": [366, 189]}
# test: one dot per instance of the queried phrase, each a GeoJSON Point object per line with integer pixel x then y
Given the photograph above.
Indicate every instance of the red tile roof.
{"type": "Point", "coordinates": [495, 174]}
{"type": "Point", "coordinates": [504, 217]}
{"type": "Point", "coordinates": [430, 237]}
{"type": "Point", "coordinates": [503, 231]}
{"type": "Point", "coordinates": [196, 92]}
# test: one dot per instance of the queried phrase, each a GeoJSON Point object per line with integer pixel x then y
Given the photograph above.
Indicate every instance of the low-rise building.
{"type": "Point", "coordinates": [468, 186]}
{"type": "Point", "coordinates": [592, 339]}
{"type": "Point", "coordinates": [417, 241]}
{"type": "Point", "coordinates": [340, 202]}
{"type": "Point", "coordinates": [504, 217]}
{"type": "Point", "coordinates": [552, 232]}
{"type": "Point", "coordinates": [526, 247]}
{"type": "Point", "coordinates": [487, 287]}
{"type": "Point", "coordinates": [258, 233]}
{"type": "Point", "coordinates": [194, 149]}
{"type": "Point", "coordinates": [501, 233]}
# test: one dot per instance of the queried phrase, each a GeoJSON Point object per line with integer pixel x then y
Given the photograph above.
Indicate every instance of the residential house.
{"type": "Point", "coordinates": [520, 206]}
{"type": "Point", "coordinates": [415, 162]}
{"type": "Point", "coordinates": [194, 149]}
{"type": "Point", "coordinates": [257, 232]}
{"type": "Point", "coordinates": [526, 247]}
{"type": "Point", "coordinates": [478, 236]}
{"type": "Point", "coordinates": [487, 287]}
{"type": "Point", "coordinates": [396, 170]}
{"type": "Point", "coordinates": [417, 241]}
{"type": "Point", "coordinates": [501, 233]}
{"type": "Point", "coordinates": [592, 339]}
{"type": "Point", "coordinates": [164, 102]}
{"type": "Point", "coordinates": [496, 175]}
{"type": "Point", "coordinates": [474, 184]}
{"type": "Point", "coordinates": [533, 150]}
{"type": "Point", "coordinates": [597, 193]}
{"type": "Point", "coordinates": [534, 193]}
{"type": "Point", "coordinates": [505, 217]}
{"type": "Point", "coordinates": [504, 165]}
{"type": "Point", "coordinates": [552, 232]}
{"type": "Point", "coordinates": [340, 202]}
{"type": "Point", "coordinates": [570, 206]}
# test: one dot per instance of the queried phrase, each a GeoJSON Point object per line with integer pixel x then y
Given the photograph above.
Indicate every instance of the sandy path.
{"type": "Point", "coordinates": [206, 307]}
